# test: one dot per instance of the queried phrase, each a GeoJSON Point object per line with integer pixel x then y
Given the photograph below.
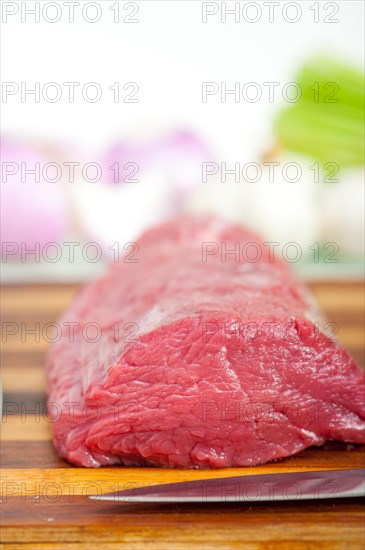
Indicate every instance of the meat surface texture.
{"type": "Point", "coordinates": [199, 349]}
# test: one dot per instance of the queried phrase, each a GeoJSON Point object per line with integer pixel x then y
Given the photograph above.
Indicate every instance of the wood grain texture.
{"type": "Point", "coordinates": [44, 499]}
{"type": "Point", "coordinates": [31, 378]}
{"type": "Point", "coordinates": [300, 525]}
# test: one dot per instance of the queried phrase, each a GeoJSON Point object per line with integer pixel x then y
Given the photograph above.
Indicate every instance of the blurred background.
{"type": "Point", "coordinates": [119, 115]}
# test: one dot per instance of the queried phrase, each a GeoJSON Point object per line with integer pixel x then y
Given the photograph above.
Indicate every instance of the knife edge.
{"type": "Point", "coordinates": [283, 486]}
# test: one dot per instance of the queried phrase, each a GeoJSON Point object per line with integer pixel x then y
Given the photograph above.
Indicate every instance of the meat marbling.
{"type": "Point", "coordinates": [177, 358]}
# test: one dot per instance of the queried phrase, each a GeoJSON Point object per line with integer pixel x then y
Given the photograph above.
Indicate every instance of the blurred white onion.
{"type": "Point", "coordinates": [281, 211]}
{"type": "Point", "coordinates": [343, 212]}
{"type": "Point", "coordinates": [166, 171]}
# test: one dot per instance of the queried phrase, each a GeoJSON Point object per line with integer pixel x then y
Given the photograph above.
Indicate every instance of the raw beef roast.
{"type": "Point", "coordinates": [199, 349]}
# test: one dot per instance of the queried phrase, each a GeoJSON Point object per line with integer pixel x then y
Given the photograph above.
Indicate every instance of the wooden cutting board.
{"type": "Point", "coordinates": [44, 499]}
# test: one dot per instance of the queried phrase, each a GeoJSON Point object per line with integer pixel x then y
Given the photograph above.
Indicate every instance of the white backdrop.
{"type": "Point", "coordinates": [169, 53]}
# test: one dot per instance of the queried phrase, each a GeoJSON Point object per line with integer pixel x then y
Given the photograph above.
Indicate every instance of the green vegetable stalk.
{"type": "Point", "coordinates": [327, 122]}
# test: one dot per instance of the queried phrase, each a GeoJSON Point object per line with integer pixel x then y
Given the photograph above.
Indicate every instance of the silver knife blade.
{"type": "Point", "coordinates": [286, 486]}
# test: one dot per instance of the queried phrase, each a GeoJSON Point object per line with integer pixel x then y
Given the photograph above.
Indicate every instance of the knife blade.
{"type": "Point", "coordinates": [286, 486]}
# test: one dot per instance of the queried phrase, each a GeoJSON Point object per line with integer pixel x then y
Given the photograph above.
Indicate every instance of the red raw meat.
{"type": "Point", "coordinates": [198, 364]}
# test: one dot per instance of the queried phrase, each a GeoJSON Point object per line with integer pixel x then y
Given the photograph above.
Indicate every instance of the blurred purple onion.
{"type": "Point", "coordinates": [178, 155]}
{"type": "Point", "coordinates": [31, 211]}
{"type": "Point", "coordinates": [156, 178]}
